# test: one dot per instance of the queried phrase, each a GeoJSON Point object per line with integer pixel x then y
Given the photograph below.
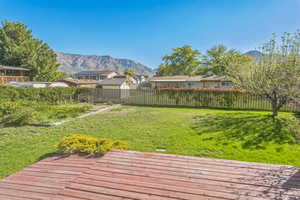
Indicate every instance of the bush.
{"type": "Point", "coordinates": [54, 112]}
{"type": "Point", "coordinates": [52, 95]}
{"type": "Point", "coordinates": [23, 116]}
{"type": "Point", "coordinates": [22, 112]}
{"type": "Point", "coordinates": [8, 107]}
{"type": "Point", "coordinates": [88, 145]}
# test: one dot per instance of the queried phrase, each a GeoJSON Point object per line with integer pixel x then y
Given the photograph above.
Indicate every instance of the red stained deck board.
{"type": "Point", "coordinates": [142, 176]}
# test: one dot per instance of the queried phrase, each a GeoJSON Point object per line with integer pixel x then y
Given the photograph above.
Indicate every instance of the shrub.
{"type": "Point", "coordinates": [60, 112]}
{"type": "Point", "coordinates": [88, 145]}
{"type": "Point", "coordinates": [20, 117]}
{"type": "Point", "coordinates": [23, 112]}
{"type": "Point", "coordinates": [110, 103]}
{"type": "Point", "coordinates": [52, 95]}
{"type": "Point", "coordinates": [8, 107]}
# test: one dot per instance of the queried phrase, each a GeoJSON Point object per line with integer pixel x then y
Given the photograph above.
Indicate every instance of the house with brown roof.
{"type": "Point", "coordinates": [80, 83]}
{"type": "Point", "coordinates": [95, 75]}
{"type": "Point", "coordinates": [190, 82]}
{"type": "Point", "coordinates": [17, 74]}
{"type": "Point", "coordinates": [115, 83]}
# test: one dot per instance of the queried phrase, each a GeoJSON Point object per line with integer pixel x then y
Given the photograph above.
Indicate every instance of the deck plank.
{"type": "Point", "coordinates": [138, 175]}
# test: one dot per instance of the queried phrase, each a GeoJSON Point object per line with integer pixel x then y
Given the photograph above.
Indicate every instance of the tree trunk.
{"type": "Point", "coordinates": [275, 109]}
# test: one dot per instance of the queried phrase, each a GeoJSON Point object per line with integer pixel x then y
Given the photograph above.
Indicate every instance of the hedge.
{"type": "Point", "coordinates": [52, 95]}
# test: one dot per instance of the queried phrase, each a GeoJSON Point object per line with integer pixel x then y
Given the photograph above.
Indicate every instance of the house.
{"type": "Point", "coordinates": [140, 78]}
{"type": "Point", "coordinates": [190, 82]}
{"type": "Point", "coordinates": [115, 83]}
{"type": "Point", "coordinates": [80, 83]}
{"type": "Point", "coordinates": [153, 176]}
{"type": "Point", "coordinates": [8, 74]}
{"type": "Point", "coordinates": [95, 75]}
{"type": "Point", "coordinates": [135, 79]}
{"type": "Point", "coordinates": [37, 84]}
{"type": "Point", "coordinates": [58, 84]}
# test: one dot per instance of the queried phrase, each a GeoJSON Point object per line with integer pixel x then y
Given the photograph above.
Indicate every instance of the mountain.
{"type": "Point", "coordinates": [71, 63]}
{"type": "Point", "coordinates": [254, 53]}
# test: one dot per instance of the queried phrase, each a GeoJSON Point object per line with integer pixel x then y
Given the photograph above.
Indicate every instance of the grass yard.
{"type": "Point", "coordinates": [237, 135]}
{"type": "Point", "coordinates": [15, 113]}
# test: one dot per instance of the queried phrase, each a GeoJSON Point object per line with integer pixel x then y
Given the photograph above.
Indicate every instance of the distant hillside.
{"type": "Point", "coordinates": [254, 53]}
{"type": "Point", "coordinates": [71, 63]}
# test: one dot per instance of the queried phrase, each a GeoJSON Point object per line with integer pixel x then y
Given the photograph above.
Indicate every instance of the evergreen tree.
{"type": "Point", "coordinates": [20, 49]}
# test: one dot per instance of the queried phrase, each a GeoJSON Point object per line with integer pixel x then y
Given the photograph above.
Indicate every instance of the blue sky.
{"type": "Point", "coordinates": [146, 30]}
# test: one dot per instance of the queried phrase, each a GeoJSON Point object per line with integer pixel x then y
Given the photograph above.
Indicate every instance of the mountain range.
{"type": "Point", "coordinates": [72, 63]}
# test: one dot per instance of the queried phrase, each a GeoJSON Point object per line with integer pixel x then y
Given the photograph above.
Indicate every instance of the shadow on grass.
{"type": "Point", "coordinates": [58, 156]}
{"type": "Point", "coordinates": [292, 181]}
{"type": "Point", "coordinates": [51, 154]}
{"type": "Point", "coordinates": [253, 130]}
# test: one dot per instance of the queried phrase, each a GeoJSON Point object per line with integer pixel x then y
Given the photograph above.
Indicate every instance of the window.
{"type": "Point", "coordinates": [226, 83]}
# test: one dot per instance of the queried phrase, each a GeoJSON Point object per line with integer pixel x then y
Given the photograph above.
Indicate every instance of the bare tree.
{"type": "Point", "coordinates": [275, 75]}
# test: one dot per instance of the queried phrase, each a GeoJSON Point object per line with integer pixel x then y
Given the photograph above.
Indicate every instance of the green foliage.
{"type": "Point", "coordinates": [88, 145]}
{"type": "Point", "coordinates": [216, 134]}
{"type": "Point", "coordinates": [116, 109]}
{"type": "Point", "coordinates": [22, 112]}
{"type": "Point", "coordinates": [182, 61]}
{"type": "Point", "coordinates": [186, 61]}
{"type": "Point", "coordinates": [276, 74]}
{"type": "Point", "coordinates": [54, 95]}
{"type": "Point", "coordinates": [204, 97]}
{"type": "Point", "coordinates": [219, 58]}
{"type": "Point", "coordinates": [56, 112]}
{"type": "Point", "coordinates": [8, 107]}
{"type": "Point", "coordinates": [110, 102]}
{"type": "Point", "coordinates": [20, 117]}
{"type": "Point", "coordinates": [19, 48]}
{"type": "Point", "coordinates": [129, 72]}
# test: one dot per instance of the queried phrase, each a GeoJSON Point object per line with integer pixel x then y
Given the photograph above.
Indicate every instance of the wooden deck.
{"type": "Point", "coordinates": [136, 175]}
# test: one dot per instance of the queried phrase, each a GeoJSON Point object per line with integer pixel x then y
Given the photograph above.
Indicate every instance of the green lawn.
{"type": "Point", "coordinates": [14, 113]}
{"type": "Point", "coordinates": [237, 135]}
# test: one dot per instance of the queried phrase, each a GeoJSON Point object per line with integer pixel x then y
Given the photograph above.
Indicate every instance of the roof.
{"type": "Point", "coordinates": [102, 72]}
{"type": "Point", "coordinates": [112, 81]}
{"type": "Point", "coordinates": [136, 175]}
{"type": "Point", "coordinates": [32, 82]}
{"type": "Point", "coordinates": [213, 78]}
{"type": "Point", "coordinates": [121, 76]}
{"type": "Point", "coordinates": [79, 82]}
{"type": "Point", "coordinates": [13, 68]}
{"type": "Point", "coordinates": [186, 78]}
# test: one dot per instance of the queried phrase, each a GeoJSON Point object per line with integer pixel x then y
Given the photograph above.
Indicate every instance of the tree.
{"type": "Point", "coordinates": [183, 61]}
{"type": "Point", "coordinates": [129, 72]}
{"type": "Point", "coordinates": [219, 58]}
{"type": "Point", "coordinates": [19, 48]}
{"type": "Point", "coordinates": [163, 70]}
{"type": "Point", "coordinates": [276, 75]}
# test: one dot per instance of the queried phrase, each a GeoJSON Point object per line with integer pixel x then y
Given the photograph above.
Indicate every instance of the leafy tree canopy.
{"type": "Point", "coordinates": [183, 61]}
{"type": "Point", "coordinates": [219, 58]}
{"type": "Point", "coordinates": [276, 75]}
{"type": "Point", "coordinates": [19, 48]}
{"type": "Point", "coordinates": [187, 61]}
